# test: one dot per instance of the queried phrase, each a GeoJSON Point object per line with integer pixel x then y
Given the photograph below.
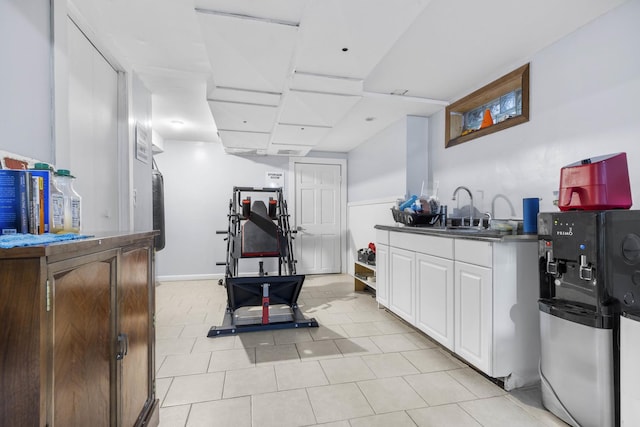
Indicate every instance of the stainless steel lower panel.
{"type": "Point", "coordinates": [576, 366]}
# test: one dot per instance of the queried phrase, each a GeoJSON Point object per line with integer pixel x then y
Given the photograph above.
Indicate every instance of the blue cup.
{"type": "Point", "coordinates": [530, 209]}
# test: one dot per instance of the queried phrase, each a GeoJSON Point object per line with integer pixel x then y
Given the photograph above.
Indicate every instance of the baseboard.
{"type": "Point", "coordinates": [185, 277]}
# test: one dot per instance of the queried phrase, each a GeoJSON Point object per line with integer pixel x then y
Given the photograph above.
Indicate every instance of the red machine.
{"type": "Point", "coordinates": [597, 183]}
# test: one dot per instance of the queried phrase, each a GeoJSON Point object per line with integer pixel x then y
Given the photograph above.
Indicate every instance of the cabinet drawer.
{"type": "Point", "coordinates": [382, 237]}
{"type": "Point", "coordinates": [474, 252]}
{"type": "Point", "coordinates": [431, 245]}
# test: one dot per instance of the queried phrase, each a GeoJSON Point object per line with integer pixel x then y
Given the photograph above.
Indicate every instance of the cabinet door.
{"type": "Point", "coordinates": [82, 344]}
{"type": "Point", "coordinates": [22, 349]}
{"type": "Point", "coordinates": [134, 308]}
{"type": "Point", "coordinates": [434, 296]}
{"type": "Point", "coordinates": [473, 314]}
{"type": "Point", "coordinates": [382, 274]}
{"type": "Point", "coordinates": [402, 283]}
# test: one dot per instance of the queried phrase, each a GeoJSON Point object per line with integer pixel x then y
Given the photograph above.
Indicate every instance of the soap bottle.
{"type": "Point", "coordinates": [72, 201]}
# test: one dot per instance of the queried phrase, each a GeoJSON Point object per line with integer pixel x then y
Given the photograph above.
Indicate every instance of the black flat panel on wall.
{"type": "Point", "coordinates": [158, 207]}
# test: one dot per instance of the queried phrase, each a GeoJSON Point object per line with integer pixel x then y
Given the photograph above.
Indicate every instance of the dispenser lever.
{"type": "Point", "coordinates": [586, 272]}
{"type": "Point", "coordinates": [552, 266]}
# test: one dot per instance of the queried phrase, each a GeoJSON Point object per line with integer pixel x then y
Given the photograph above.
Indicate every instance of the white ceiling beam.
{"type": "Point", "coordinates": [241, 103]}
{"type": "Point", "coordinates": [248, 17]}
{"type": "Point", "coordinates": [392, 97]}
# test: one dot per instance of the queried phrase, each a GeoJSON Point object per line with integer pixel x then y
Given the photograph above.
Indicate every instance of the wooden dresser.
{"type": "Point", "coordinates": [77, 333]}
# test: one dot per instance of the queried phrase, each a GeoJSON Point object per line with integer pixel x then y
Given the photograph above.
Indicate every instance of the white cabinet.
{"type": "Point", "coordinates": [477, 298]}
{"type": "Point", "coordinates": [402, 277]}
{"type": "Point", "coordinates": [382, 274]}
{"type": "Point", "coordinates": [435, 296]}
{"type": "Point", "coordinates": [473, 314]}
{"type": "Point", "coordinates": [382, 267]}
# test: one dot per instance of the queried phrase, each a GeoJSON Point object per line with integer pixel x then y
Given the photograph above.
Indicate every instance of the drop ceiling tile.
{"type": "Point", "coordinates": [289, 134]}
{"type": "Point", "coordinates": [248, 54]}
{"type": "Point", "coordinates": [439, 68]}
{"type": "Point", "coordinates": [235, 139]}
{"type": "Point", "coordinates": [369, 117]}
{"type": "Point", "coordinates": [367, 29]}
{"type": "Point", "coordinates": [315, 108]}
{"type": "Point", "coordinates": [237, 116]}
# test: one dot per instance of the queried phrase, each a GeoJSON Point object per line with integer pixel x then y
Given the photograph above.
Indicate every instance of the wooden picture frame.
{"type": "Point", "coordinates": [516, 79]}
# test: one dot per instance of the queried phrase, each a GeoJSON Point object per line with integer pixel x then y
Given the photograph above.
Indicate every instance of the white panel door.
{"type": "Point", "coordinates": [93, 132]}
{"type": "Point", "coordinates": [473, 314]}
{"type": "Point", "coordinates": [318, 216]}
{"type": "Point", "coordinates": [402, 283]}
{"type": "Point", "coordinates": [434, 296]}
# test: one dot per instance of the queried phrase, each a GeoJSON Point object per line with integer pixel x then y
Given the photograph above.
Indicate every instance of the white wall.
{"type": "Point", "coordinates": [198, 184]}
{"type": "Point", "coordinates": [381, 170]}
{"type": "Point", "coordinates": [584, 102]}
{"type": "Point", "coordinates": [26, 119]}
{"type": "Point", "coordinates": [417, 155]}
{"type": "Point", "coordinates": [377, 168]}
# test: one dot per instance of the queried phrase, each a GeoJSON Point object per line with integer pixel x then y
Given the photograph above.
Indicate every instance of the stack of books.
{"type": "Point", "coordinates": [24, 201]}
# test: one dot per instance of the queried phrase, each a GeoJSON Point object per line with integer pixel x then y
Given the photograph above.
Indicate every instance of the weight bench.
{"type": "Point", "coordinates": [258, 230]}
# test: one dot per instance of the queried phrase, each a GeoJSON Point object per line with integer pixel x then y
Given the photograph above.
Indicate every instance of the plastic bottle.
{"type": "Point", "coordinates": [72, 201]}
{"type": "Point", "coordinates": [408, 202]}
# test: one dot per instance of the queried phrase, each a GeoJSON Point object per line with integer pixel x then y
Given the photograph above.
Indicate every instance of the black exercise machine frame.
{"type": "Point", "coordinates": [263, 290]}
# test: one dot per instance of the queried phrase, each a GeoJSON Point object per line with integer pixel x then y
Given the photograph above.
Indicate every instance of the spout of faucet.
{"type": "Point", "coordinates": [455, 192]}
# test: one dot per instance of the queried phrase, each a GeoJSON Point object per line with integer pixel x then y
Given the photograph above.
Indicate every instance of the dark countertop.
{"type": "Point", "coordinates": [462, 233]}
{"type": "Point", "coordinates": [97, 242]}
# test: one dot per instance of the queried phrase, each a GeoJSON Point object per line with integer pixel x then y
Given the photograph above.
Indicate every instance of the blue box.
{"type": "Point", "coordinates": [13, 202]}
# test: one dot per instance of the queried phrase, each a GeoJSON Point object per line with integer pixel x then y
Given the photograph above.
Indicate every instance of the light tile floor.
{"type": "Point", "coordinates": [362, 367]}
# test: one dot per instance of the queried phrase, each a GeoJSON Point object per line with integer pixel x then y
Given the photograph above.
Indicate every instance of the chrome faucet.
{"type": "Point", "coordinates": [455, 192]}
{"type": "Point", "coordinates": [489, 218]}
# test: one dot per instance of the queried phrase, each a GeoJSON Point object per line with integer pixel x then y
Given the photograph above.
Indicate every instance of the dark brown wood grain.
{"type": "Point", "coordinates": [133, 307]}
{"type": "Point", "coordinates": [20, 350]}
{"type": "Point", "coordinates": [58, 364]}
{"type": "Point", "coordinates": [82, 345]}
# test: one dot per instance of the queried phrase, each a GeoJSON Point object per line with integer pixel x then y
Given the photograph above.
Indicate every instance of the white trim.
{"type": "Point", "coordinates": [106, 48]}
{"type": "Point", "coordinates": [187, 277]}
{"type": "Point", "coordinates": [374, 201]}
{"type": "Point", "coordinates": [124, 159]}
{"type": "Point", "coordinates": [343, 198]}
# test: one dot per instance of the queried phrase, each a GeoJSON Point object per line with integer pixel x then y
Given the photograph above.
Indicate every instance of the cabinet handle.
{"type": "Point", "coordinates": [123, 344]}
